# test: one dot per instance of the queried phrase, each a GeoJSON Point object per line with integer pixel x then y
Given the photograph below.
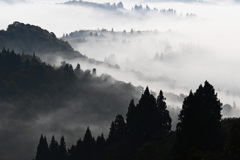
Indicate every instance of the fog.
{"type": "Point", "coordinates": [195, 49]}
{"type": "Point", "coordinates": [190, 50]}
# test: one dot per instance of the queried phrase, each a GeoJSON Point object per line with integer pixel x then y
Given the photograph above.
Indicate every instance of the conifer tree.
{"type": "Point", "coordinates": [146, 116]}
{"type": "Point", "coordinates": [78, 68]}
{"type": "Point", "coordinates": [88, 140]}
{"type": "Point", "coordinates": [131, 111]}
{"type": "Point", "coordinates": [42, 149]}
{"type": "Point", "coordinates": [53, 149]}
{"type": "Point", "coordinates": [199, 125]}
{"type": "Point", "coordinates": [100, 147]}
{"type": "Point", "coordinates": [62, 149]}
{"type": "Point", "coordinates": [88, 145]}
{"type": "Point", "coordinates": [131, 119]}
{"type": "Point", "coordinates": [164, 118]}
{"type": "Point", "coordinates": [118, 130]}
{"type": "Point", "coordinates": [100, 142]}
{"type": "Point", "coordinates": [149, 118]}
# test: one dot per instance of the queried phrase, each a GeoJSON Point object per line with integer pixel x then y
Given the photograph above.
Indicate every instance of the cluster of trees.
{"type": "Point", "coordinates": [24, 76]}
{"type": "Point", "coordinates": [29, 38]}
{"type": "Point", "coordinates": [146, 132]}
{"type": "Point", "coordinates": [149, 120]}
{"type": "Point", "coordinates": [106, 6]}
{"type": "Point", "coordinates": [35, 87]}
{"type": "Point", "coordinates": [27, 84]}
{"type": "Point", "coordinates": [31, 90]}
{"type": "Point", "coordinates": [54, 151]}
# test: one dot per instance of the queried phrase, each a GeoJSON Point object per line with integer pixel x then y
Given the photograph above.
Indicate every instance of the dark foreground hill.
{"type": "Point", "coordinates": [36, 97]}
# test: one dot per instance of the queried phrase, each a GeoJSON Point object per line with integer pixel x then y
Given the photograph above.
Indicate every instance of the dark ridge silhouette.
{"type": "Point", "coordinates": [200, 134]}
{"type": "Point", "coordinates": [29, 39]}
{"type": "Point", "coordinates": [27, 76]}
{"type": "Point", "coordinates": [30, 87]}
{"type": "Point", "coordinates": [33, 94]}
{"type": "Point", "coordinates": [120, 142]}
{"type": "Point", "coordinates": [119, 7]}
{"type": "Point", "coordinates": [106, 6]}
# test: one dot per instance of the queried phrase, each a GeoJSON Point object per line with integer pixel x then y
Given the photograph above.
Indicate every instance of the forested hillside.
{"type": "Point", "coordinates": [146, 133]}
{"type": "Point", "coordinates": [35, 96]}
{"type": "Point", "coordinates": [29, 39]}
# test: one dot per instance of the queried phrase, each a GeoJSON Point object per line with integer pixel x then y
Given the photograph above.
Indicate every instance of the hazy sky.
{"type": "Point", "coordinates": [204, 48]}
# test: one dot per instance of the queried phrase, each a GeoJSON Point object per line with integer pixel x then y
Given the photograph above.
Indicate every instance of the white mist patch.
{"type": "Point", "coordinates": [194, 49]}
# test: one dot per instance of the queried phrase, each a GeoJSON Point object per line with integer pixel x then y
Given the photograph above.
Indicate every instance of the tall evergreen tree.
{"type": "Point", "coordinates": [149, 118]}
{"type": "Point", "coordinates": [100, 142]}
{"type": "Point", "coordinates": [131, 111]}
{"type": "Point", "coordinates": [118, 130]}
{"type": "Point", "coordinates": [146, 119]}
{"type": "Point", "coordinates": [100, 147]}
{"type": "Point", "coordinates": [131, 119]}
{"type": "Point", "coordinates": [199, 125]}
{"type": "Point", "coordinates": [62, 150]}
{"type": "Point", "coordinates": [88, 145]}
{"type": "Point", "coordinates": [42, 149]}
{"type": "Point", "coordinates": [88, 140]}
{"type": "Point", "coordinates": [53, 149]}
{"type": "Point", "coordinates": [164, 118]}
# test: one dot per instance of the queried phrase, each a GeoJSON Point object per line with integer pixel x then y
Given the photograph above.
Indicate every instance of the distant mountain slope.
{"type": "Point", "coordinates": [139, 9]}
{"type": "Point", "coordinates": [36, 97]}
{"type": "Point", "coordinates": [29, 38]}
{"type": "Point", "coordinates": [107, 6]}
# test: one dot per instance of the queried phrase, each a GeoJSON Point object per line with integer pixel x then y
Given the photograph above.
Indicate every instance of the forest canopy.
{"type": "Point", "coordinates": [30, 86]}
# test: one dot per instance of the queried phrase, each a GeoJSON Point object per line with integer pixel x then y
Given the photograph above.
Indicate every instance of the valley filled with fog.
{"type": "Point", "coordinates": [169, 46]}
{"type": "Point", "coordinates": [192, 49]}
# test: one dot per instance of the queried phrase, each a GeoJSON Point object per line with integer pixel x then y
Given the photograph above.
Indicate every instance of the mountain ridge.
{"type": "Point", "coordinates": [30, 39]}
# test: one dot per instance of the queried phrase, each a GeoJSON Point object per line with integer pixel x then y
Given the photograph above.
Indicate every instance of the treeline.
{"type": "Point", "coordinates": [29, 38]}
{"type": "Point", "coordinates": [146, 134]}
{"type": "Point", "coordinates": [29, 87]}
{"type": "Point", "coordinates": [30, 84]}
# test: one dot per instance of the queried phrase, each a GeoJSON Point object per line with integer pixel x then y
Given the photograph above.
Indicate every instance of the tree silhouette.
{"type": "Point", "coordinates": [42, 149]}
{"type": "Point", "coordinates": [53, 149]}
{"type": "Point", "coordinates": [147, 133]}
{"type": "Point", "coordinates": [164, 118]}
{"type": "Point", "coordinates": [100, 142]}
{"type": "Point", "coordinates": [149, 118]}
{"type": "Point", "coordinates": [131, 119]}
{"type": "Point", "coordinates": [146, 111]}
{"type": "Point", "coordinates": [78, 68]}
{"type": "Point", "coordinates": [88, 140]}
{"type": "Point", "coordinates": [199, 125]}
{"type": "Point", "coordinates": [118, 130]}
{"type": "Point", "coordinates": [88, 145]}
{"type": "Point", "coordinates": [62, 150]}
{"type": "Point", "coordinates": [75, 152]}
{"type": "Point", "coordinates": [100, 146]}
